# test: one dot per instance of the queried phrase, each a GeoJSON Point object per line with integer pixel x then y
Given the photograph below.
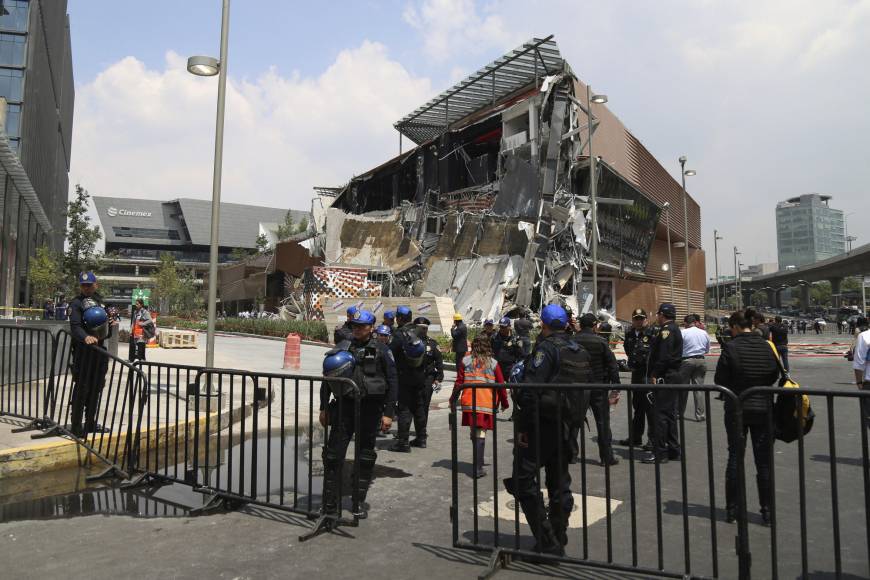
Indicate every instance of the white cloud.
{"type": "Point", "coordinates": [150, 133]}
{"type": "Point", "coordinates": [452, 27]}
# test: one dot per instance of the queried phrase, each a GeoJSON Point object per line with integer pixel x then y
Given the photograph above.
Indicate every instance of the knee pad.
{"type": "Point", "coordinates": [368, 456]}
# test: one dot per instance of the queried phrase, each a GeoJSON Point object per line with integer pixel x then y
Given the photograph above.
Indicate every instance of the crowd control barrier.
{"type": "Point", "coordinates": [668, 519]}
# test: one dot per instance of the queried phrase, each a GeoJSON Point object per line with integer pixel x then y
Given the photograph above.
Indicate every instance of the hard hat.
{"type": "Point", "coordinates": [340, 364]}
{"type": "Point", "coordinates": [554, 316]}
{"type": "Point", "coordinates": [505, 321]}
{"type": "Point", "coordinates": [362, 317]}
{"type": "Point", "coordinates": [384, 330]}
{"type": "Point", "coordinates": [457, 316]}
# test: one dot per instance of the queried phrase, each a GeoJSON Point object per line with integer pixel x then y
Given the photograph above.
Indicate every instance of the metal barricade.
{"type": "Point", "coordinates": [26, 372]}
{"type": "Point", "coordinates": [662, 519]}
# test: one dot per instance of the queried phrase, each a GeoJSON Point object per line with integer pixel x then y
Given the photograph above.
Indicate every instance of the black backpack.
{"type": "Point", "coordinates": [574, 368]}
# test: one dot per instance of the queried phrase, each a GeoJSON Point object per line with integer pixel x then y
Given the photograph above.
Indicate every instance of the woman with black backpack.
{"type": "Point", "coordinates": [748, 360]}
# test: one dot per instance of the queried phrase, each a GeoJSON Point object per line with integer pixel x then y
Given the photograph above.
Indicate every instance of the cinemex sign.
{"type": "Point", "coordinates": [114, 212]}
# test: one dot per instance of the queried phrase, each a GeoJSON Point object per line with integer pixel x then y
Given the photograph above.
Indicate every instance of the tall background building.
{"type": "Point", "coordinates": [37, 94]}
{"type": "Point", "coordinates": [808, 230]}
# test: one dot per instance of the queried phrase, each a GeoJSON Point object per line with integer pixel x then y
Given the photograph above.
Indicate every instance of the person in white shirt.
{"type": "Point", "coordinates": [696, 344]}
{"type": "Point", "coordinates": [861, 366]}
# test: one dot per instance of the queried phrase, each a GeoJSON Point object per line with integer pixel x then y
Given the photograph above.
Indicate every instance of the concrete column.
{"type": "Point", "coordinates": [771, 298]}
{"type": "Point", "coordinates": [835, 291]}
{"type": "Point", "coordinates": [805, 298]}
{"type": "Point", "coordinates": [777, 300]}
{"type": "Point", "coordinates": [747, 298]}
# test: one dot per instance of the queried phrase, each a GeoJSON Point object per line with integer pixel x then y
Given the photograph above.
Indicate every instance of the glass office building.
{"type": "Point", "coordinates": [808, 230]}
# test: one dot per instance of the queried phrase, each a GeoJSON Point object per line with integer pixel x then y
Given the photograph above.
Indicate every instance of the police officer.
{"type": "Point", "coordinates": [345, 331]}
{"type": "Point", "coordinates": [409, 352]}
{"type": "Point", "coordinates": [637, 344]}
{"type": "Point", "coordinates": [489, 328]}
{"type": "Point", "coordinates": [433, 371]}
{"type": "Point", "coordinates": [556, 360]}
{"type": "Point", "coordinates": [604, 370]}
{"type": "Point", "coordinates": [390, 319]}
{"type": "Point", "coordinates": [666, 355]}
{"type": "Point", "coordinates": [384, 334]}
{"type": "Point", "coordinates": [369, 363]}
{"type": "Point", "coordinates": [506, 349]}
{"type": "Point", "coordinates": [90, 326]}
{"type": "Point", "coordinates": [459, 336]}
{"type": "Point", "coordinates": [523, 328]}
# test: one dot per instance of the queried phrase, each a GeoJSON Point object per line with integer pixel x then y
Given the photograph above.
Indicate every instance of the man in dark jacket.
{"type": "Point", "coordinates": [345, 331]}
{"type": "Point", "coordinates": [506, 349]}
{"type": "Point", "coordinates": [637, 344]}
{"type": "Point", "coordinates": [433, 370]}
{"type": "Point", "coordinates": [459, 336]}
{"type": "Point", "coordinates": [747, 361]}
{"type": "Point", "coordinates": [604, 370]}
{"type": "Point", "coordinates": [779, 337]}
{"type": "Point", "coordinates": [523, 327]}
{"type": "Point", "coordinates": [666, 356]}
{"type": "Point", "coordinates": [412, 377]}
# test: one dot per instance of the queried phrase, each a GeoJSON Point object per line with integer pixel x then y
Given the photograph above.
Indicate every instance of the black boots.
{"type": "Point", "coordinates": [367, 459]}
{"type": "Point", "coordinates": [329, 506]}
{"type": "Point", "coordinates": [546, 540]}
{"type": "Point", "coordinates": [479, 446]}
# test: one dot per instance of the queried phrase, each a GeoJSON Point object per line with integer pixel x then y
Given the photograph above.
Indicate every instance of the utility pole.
{"type": "Point", "coordinates": [737, 279]}
{"type": "Point", "coordinates": [716, 238]}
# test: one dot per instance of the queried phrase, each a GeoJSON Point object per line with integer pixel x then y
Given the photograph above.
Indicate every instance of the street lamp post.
{"type": "Point", "coordinates": [667, 207]}
{"type": "Point", "coordinates": [737, 279]}
{"type": "Point", "coordinates": [683, 174]}
{"type": "Point", "coordinates": [207, 66]}
{"type": "Point", "coordinates": [593, 192]}
{"type": "Point", "coordinates": [716, 238]}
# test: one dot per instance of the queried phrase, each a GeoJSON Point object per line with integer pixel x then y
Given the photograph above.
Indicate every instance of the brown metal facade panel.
{"type": "Point", "coordinates": [291, 258]}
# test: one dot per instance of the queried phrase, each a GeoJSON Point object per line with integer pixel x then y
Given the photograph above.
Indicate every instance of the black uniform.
{"type": "Point", "coordinates": [556, 359]}
{"type": "Point", "coordinates": [343, 333]}
{"type": "Point", "coordinates": [411, 383]}
{"type": "Point", "coordinates": [507, 350]}
{"type": "Point", "coordinates": [779, 337]}
{"type": "Point", "coordinates": [90, 365]}
{"type": "Point", "coordinates": [459, 334]}
{"type": "Point", "coordinates": [433, 369]}
{"type": "Point", "coordinates": [375, 375]}
{"type": "Point", "coordinates": [637, 346]}
{"type": "Point", "coordinates": [523, 328]}
{"type": "Point", "coordinates": [666, 355]}
{"type": "Point", "coordinates": [604, 370]}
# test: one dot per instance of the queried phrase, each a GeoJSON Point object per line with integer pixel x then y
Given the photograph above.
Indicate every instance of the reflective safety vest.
{"type": "Point", "coordinates": [477, 373]}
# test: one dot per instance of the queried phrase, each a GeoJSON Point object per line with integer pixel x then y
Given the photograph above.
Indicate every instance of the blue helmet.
{"type": "Point", "coordinates": [95, 319]}
{"type": "Point", "coordinates": [384, 330]}
{"type": "Point", "coordinates": [414, 350]}
{"type": "Point", "coordinates": [488, 322]}
{"type": "Point", "coordinates": [340, 364]}
{"type": "Point", "coordinates": [554, 316]}
{"type": "Point", "coordinates": [505, 322]}
{"type": "Point", "coordinates": [362, 317]}
{"type": "Point", "coordinates": [352, 310]}
{"type": "Point", "coordinates": [518, 372]}
{"type": "Point", "coordinates": [389, 315]}
{"type": "Point", "coordinates": [403, 311]}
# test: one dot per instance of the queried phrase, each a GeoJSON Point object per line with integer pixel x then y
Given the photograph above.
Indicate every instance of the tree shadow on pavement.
{"type": "Point", "coordinates": [465, 468]}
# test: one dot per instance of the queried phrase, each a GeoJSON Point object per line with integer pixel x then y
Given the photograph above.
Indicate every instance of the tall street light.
{"type": "Point", "coordinates": [207, 66]}
{"type": "Point", "coordinates": [593, 192]}
{"type": "Point", "coordinates": [716, 238]}
{"type": "Point", "coordinates": [683, 174]}
{"type": "Point", "coordinates": [737, 278]}
{"type": "Point", "coordinates": [667, 207]}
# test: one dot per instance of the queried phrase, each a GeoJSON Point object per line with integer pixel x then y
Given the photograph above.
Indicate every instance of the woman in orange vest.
{"type": "Point", "coordinates": [479, 406]}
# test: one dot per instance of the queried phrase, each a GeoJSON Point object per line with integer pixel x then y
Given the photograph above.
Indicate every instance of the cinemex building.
{"type": "Point", "coordinates": [139, 231]}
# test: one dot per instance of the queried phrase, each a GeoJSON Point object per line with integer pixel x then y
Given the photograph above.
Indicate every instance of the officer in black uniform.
{"type": "Point", "coordinates": [637, 344]}
{"type": "Point", "coordinates": [89, 355]}
{"type": "Point", "coordinates": [523, 327]}
{"type": "Point", "coordinates": [345, 331]}
{"type": "Point", "coordinates": [506, 349]}
{"type": "Point", "coordinates": [374, 372]}
{"type": "Point", "coordinates": [604, 370]}
{"type": "Point", "coordinates": [433, 370]}
{"type": "Point", "coordinates": [666, 356]}
{"type": "Point", "coordinates": [556, 360]}
{"type": "Point", "coordinates": [411, 375]}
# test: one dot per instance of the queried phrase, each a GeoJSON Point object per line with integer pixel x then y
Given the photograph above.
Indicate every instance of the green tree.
{"type": "Point", "coordinates": [165, 283]}
{"type": "Point", "coordinates": [188, 297]}
{"type": "Point", "coordinates": [820, 293]}
{"type": "Point", "coordinates": [239, 254]}
{"type": "Point", "coordinates": [262, 243]}
{"type": "Point", "coordinates": [303, 226]}
{"type": "Point", "coordinates": [81, 238]}
{"type": "Point", "coordinates": [288, 228]}
{"type": "Point", "coordinates": [44, 275]}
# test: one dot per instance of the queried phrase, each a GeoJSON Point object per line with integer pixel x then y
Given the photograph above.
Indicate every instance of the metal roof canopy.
{"type": "Point", "coordinates": [500, 78]}
{"type": "Point", "coordinates": [11, 165]}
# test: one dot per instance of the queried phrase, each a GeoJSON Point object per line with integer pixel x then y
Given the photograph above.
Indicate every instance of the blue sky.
{"type": "Point", "coordinates": [765, 98]}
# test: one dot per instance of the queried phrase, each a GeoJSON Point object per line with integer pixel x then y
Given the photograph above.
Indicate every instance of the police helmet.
{"type": "Point", "coordinates": [488, 322]}
{"type": "Point", "coordinates": [389, 315]}
{"type": "Point", "coordinates": [414, 350]}
{"type": "Point", "coordinates": [96, 321]}
{"type": "Point", "coordinates": [352, 310]}
{"type": "Point", "coordinates": [384, 330]}
{"type": "Point", "coordinates": [554, 316]}
{"type": "Point", "coordinates": [340, 364]}
{"type": "Point", "coordinates": [505, 321]}
{"type": "Point", "coordinates": [362, 317]}
{"type": "Point", "coordinates": [403, 311]}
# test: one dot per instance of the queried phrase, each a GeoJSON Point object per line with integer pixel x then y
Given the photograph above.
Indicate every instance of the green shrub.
{"type": "Point", "coordinates": [307, 329]}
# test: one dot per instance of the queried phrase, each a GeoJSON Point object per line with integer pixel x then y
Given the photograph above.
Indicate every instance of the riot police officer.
{"type": "Point", "coordinates": [543, 441]}
{"type": "Point", "coordinates": [604, 370]}
{"type": "Point", "coordinates": [433, 372]}
{"type": "Point", "coordinates": [409, 352]}
{"type": "Point", "coordinates": [384, 334]}
{"type": "Point", "coordinates": [523, 328]}
{"type": "Point", "coordinates": [666, 356]}
{"type": "Point", "coordinates": [489, 328]}
{"type": "Point", "coordinates": [90, 327]}
{"type": "Point", "coordinates": [637, 344]}
{"type": "Point", "coordinates": [389, 319]}
{"type": "Point", "coordinates": [345, 331]}
{"type": "Point", "coordinates": [506, 349]}
{"type": "Point", "coordinates": [369, 363]}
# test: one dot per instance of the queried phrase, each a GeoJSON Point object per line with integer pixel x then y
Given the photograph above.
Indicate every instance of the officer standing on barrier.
{"type": "Point", "coordinates": [555, 360]}
{"type": "Point", "coordinates": [369, 363]}
{"type": "Point", "coordinates": [506, 349]}
{"type": "Point", "coordinates": [433, 372]}
{"type": "Point", "coordinates": [637, 344]}
{"type": "Point", "coordinates": [345, 331]}
{"type": "Point", "coordinates": [666, 356]}
{"type": "Point", "coordinates": [90, 327]}
{"type": "Point", "coordinates": [409, 352]}
{"type": "Point", "coordinates": [604, 370]}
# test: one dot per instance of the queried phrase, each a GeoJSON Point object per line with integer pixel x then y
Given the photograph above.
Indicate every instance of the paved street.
{"type": "Point", "coordinates": [409, 526]}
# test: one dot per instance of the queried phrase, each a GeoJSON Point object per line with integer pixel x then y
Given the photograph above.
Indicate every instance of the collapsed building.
{"type": "Point", "coordinates": [491, 205]}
